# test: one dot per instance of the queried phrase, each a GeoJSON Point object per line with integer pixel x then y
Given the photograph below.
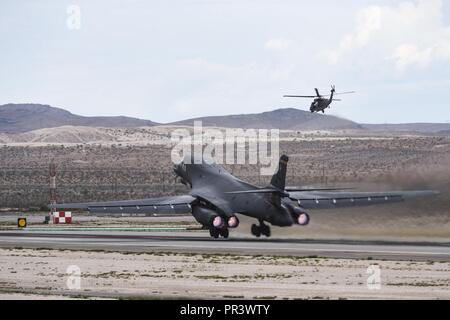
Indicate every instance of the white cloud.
{"type": "Point", "coordinates": [278, 44]}
{"type": "Point", "coordinates": [406, 55]}
{"type": "Point", "coordinates": [410, 33]}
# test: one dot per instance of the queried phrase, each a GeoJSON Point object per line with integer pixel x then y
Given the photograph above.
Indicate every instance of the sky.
{"type": "Point", "coordinates": [176, 59]}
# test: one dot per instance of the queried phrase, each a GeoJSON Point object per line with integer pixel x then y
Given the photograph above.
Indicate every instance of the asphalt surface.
{"type": "Point", "coordinates": [200, 242]}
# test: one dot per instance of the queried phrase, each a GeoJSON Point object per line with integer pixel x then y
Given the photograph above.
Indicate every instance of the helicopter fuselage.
{"type": "Point", "coordinates": [320, 104]}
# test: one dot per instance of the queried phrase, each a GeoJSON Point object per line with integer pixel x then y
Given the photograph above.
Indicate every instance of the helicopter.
{"type": "Point", "coordinates": [320, 102]}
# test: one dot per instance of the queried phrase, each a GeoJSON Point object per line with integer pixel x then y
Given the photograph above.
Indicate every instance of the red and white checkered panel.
{"type": "Point", "coordinates": [62, 217]}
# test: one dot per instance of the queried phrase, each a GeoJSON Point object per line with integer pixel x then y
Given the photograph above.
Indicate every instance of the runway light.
{"type": "Point", "coordinates": [22, 222]}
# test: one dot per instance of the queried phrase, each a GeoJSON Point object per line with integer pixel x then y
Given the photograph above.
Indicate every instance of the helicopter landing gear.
{"type": "Point", "coordinates": [262, 229]}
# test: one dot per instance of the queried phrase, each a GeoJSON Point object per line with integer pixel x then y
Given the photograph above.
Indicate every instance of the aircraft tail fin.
{"type": "Point", "coordinates": [279, 178]}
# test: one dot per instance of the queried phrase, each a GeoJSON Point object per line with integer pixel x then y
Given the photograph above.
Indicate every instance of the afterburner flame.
{"type": "Point", "coordinates": [303, 219]}
{"type": "Point", "coordinates": [218, 222]}
{"type": "Point", "coordinates": [233, 222]}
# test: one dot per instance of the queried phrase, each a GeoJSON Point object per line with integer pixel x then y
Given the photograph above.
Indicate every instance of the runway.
{"type": "Point", "coordinates": [200, 242]}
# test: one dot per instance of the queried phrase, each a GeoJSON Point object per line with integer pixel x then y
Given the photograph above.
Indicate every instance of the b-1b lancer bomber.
{"type": "Point", "coordinates": [217, 197]}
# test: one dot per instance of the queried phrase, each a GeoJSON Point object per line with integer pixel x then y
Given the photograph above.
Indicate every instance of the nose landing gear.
{"type": "Point", "coordinates": [262, 229]}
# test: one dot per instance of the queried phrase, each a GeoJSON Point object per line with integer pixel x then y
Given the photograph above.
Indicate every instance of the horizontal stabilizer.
{"type": "Point", "coordinates": [284, 192]}
{"type": "Point", "coordinates": [268, 190]}
{"type": "Point", "coordinates": [295, 189]}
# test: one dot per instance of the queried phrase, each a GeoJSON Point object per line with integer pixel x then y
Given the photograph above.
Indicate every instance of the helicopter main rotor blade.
{"type": "Point", "coordinates": [290, 96]}
{"type": "Point", "coordinates": [317, 92]}
{"type": "Point", "coordinates": [345, 92]}
{"type": "Point", "coordinates": [329, 95]}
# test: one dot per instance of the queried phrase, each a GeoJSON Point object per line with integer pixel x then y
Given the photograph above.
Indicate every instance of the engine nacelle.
{"type": "Point", "coordinates": [300, 217]}
{"type": "Point", "coordinates": [233, 222]}
{"type": "Point", "coordinates": [303, 219]}
{"type": "Point", "coordinates": [208, 217]}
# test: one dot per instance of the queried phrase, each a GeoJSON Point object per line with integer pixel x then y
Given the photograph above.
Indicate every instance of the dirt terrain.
{"type": "Point", "coordinates": [158, 275]}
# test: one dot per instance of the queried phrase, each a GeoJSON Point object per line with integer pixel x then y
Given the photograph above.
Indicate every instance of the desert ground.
{"type": "Point", "coordinates": [176, 275]}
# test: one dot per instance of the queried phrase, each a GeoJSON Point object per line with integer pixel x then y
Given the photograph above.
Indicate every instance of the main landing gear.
{"type": "Point", "coordinates": [215, 233]}
{"type": "Point", "coordinates": [262, 229]}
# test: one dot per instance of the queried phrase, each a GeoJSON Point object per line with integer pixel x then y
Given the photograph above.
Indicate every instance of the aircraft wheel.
{"type": "Point", "coordinates": [213, 232]}
{"type": "Point", "coordinates": [265, 230]}
{"type": "Point", "coordinates": [256, 231]}
{"type": "Point", "coordinates": [224, 233]}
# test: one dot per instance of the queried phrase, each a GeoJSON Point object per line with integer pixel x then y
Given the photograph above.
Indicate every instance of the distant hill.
{"type": "Point", "coordinates": [444, 132]}
{"type": "Point", "coordinates": [411, 127]}
{"type": "Point", "coordinates": [22, 118]}
{"type": "Point", "coordinates": [63, 134]}
{"type": "Point", "coordinates": [288, 119]}
{"type": "Point", "coordinates": [16, 118]}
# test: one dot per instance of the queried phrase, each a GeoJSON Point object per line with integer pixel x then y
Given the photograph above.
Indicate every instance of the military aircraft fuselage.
{"type": "Point", "coordinates": [213, 184]}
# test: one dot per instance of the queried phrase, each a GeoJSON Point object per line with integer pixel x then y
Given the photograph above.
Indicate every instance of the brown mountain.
{"type": "Point", "coordinates": [290, 119]}
{"type": "Point", "coordinates": [26, 117]}
{"type": "Point", "coordinates": [19, 118]}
